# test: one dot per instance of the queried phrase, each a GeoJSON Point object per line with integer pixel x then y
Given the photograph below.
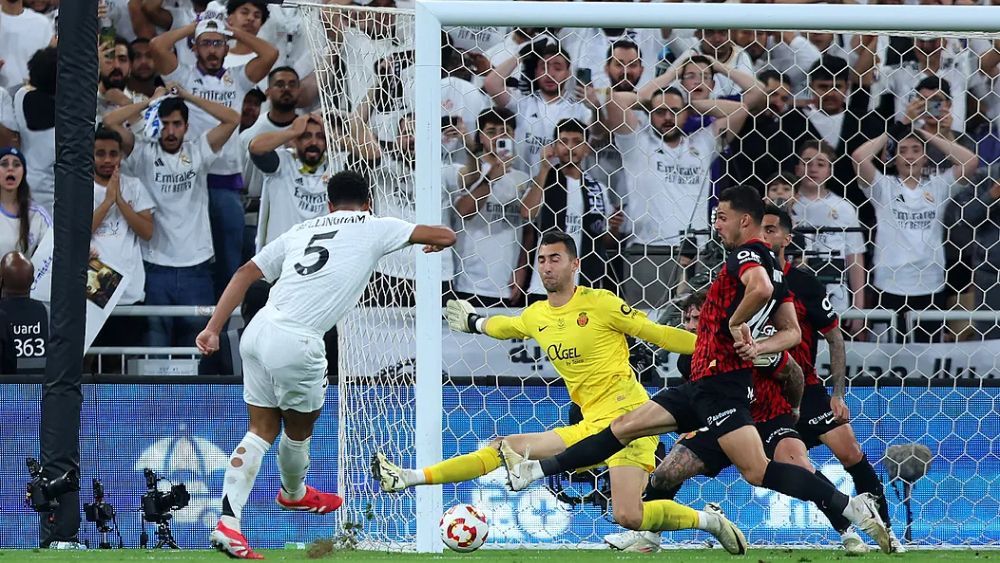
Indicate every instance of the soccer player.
{"type": "Point", "coordinates": [583, 332]}
{"type": "Point", "coordinates": [739, 304]}
{"type": "Point", "coordinates": [322, 267]}
{"type": "Point", "coordinates": [824, 418]}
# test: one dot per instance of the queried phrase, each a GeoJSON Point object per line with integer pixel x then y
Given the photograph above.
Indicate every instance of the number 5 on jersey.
{"type": "Point", "coordinates": [323, 254]}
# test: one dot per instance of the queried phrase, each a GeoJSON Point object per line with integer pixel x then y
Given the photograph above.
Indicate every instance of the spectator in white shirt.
{"type": "Point", "coordinates": [142, 78]}
{"type": "Point", "coordinates": [208, 78]}
{"type": "Point", "coordinates": [123, 215]}
{"type": "Point", "coordinates": [35, 121]}
{"type": "Point", "coordinates": [909, 266]}
{"type": "Point", "coordinates": [112, 86]}
{"type": "Point", "coordinates": [23, 32]}
{"type": "Point", "coordinates": [249, 16]}
{"type": "Point", "coordinates": [23, 223]}
{"type": "Point", "coordinates": [174, 171]}
{"type": "Point", "coordinates": [718, 44]}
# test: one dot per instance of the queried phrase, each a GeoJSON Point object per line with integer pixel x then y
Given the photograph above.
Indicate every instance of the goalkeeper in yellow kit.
{"type": "Point", "coordinates": [582, 331]}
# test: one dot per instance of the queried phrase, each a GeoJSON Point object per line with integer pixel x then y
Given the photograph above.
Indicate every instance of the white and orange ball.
{"type": "Point", "coordinates": [464, 528]}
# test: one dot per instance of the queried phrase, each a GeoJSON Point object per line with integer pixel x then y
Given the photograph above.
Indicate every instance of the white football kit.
{"type": "Point", "coordinates": [322, 267]}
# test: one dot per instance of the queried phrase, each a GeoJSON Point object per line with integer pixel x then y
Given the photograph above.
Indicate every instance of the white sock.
{"type": "Point", "coordinates": [707, 522]}
{"type": "Point", "coordinates": [293, 462]}
{"type": "Point", "coordinates": [851, 513]}
{"type": "Point", "coordinates": [241, 472]}
{"type": "Point", "coordinates": [413, 477]}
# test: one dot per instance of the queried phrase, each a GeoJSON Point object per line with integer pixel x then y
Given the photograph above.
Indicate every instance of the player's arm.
{"type": "Point", "coordinates": [208, 340]}
{"type": "Point", "coordinates": [434, 238]}
{"type": "Point", "coordinates": [635, 323]}
{"type": "Point", "coordinates": [462, 317]}
{"type": "Point", "coordinates": [793, 384]}
{"type": "Point", "coordinates": [756, 294]}
{"type": "Point", "coordinates": [838, 372]}
{"type": "Point", "coordinates": [788, 334]}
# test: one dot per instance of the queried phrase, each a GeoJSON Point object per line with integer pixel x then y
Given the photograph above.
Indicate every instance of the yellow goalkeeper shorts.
{"type": "Point", "coordinates": [639, 453]}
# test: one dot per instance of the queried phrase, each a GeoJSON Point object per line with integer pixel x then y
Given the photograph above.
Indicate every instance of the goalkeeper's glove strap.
{"type": "Point", "coordinates": [476, 323]}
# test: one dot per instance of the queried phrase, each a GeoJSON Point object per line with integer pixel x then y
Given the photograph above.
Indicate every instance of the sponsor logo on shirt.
{"type": "Point", "coordinates": [748, 256]}
{"type": "Point", "coordinates": [559, 352]}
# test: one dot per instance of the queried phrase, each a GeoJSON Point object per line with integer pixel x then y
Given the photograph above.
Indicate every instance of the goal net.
{"type": "Point", "coordinates": [883, 146]}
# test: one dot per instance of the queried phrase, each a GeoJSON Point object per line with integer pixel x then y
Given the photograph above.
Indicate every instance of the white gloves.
{"type": "Point", "coordinates": [461, 316]}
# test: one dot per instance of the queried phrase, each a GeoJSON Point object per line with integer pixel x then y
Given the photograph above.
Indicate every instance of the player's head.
{"type": "Point", "coordinates": [777, 225]}
{"type": "Point", "coordinates": [738, 217]}
{"type": "Point", "coordinates": [349, 191]}
{"type": "Point", "coordinates": [16, 274]}
{"type": "Point", "coordinates": [667, 113]}
{"type": "Point", "coordinates": [116, 65]}
{"type": "Point", "coordinates": [310, 146]}
{"type": "Point", "coordinates": [691, 310]}
{"type": "Point", "coordinates": [211, 45]}
{"type": "Point", "coordinates": [173, 114]}
{"type": "Point", "coordinates": [107, 153]}
{"type": "Point", "coordinates": [557, 261]}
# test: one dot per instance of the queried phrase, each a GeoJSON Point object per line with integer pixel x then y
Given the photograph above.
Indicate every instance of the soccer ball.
{"type": "Point", "coordinates": [464, 528]}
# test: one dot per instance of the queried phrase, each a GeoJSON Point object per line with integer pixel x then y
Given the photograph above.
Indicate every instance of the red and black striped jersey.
{"type": "Point", "coordinates": [816, 317]}
{"type": "Point", "coordinates": [768, 396]}
{"type": "Point", "coordinates": [715, 352]}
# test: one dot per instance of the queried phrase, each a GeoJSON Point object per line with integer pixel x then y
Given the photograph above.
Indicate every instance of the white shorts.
{"type": "Point", "coordinates": [284, 364]}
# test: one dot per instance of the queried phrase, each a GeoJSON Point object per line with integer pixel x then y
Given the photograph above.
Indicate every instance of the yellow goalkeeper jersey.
{"type": "Point", "coordinates": [585, 341]}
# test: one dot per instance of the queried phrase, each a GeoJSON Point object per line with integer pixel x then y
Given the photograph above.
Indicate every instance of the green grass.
{"type": "Point", "coordinates": [508, 556]}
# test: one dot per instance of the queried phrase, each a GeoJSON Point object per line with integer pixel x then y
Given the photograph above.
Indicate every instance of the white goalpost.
{"type": "Point", "coordinates": [404, 389]}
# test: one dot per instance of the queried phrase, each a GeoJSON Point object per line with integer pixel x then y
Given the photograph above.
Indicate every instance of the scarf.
{"type": "Point", "coordinates": [593, 254]}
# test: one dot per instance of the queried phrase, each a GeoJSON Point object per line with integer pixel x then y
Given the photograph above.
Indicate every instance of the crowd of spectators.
{"type": "Point", "coordinates": [212, 141]}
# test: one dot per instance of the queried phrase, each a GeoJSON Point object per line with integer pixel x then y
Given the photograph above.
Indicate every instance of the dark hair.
{"type": "Point", "coordinates": [556, 237]}
{"type": "Point", "coordinates": [817, 145]}
{"type": "Point", "coordinates": [105, 134]}
{"type": "Point", "coordinates": [701, 60]}
{"type": "Point", "coordinates": [23, 207]}
{"type": "Point", "coordinates": [623, 44]}
{"type": "Point", "coordinates": [496, 116]}
{"type": "Point", "coordinates": [571, 126]}
{"type": "Point", "coordinates": [782, 178]}
{"type": "Point", "coordinates": [829, 67]}
{"type": "Point", "coordinates": [256, 94]}
{"type": "Point", "coordinates": [771, 74]}
{"type": "Point", "coordinates": [745, 199]}
{"type": "Point", "coordinates": [170, 105]}
{"type": "Point", "coordinates": [348, 187]}
{"type": "Point", "coordinates": [693, 299]}
{"type": "Point", "coordinates": [552, 50]}
{"type": "Point", "coordinates": [42, 67]}
{"type": "Point", "coordinates": [283, 68]}
{"type": "Point", "coordinates": [668, 91]}
{"type": "Point", "coordinates": [935, 83]}
{"type": "Point", "coordinates": [261, 5]}
{"type": "Point", "coordinates": [131, 46]}
{"type": "Point", "coordinates": [784, 219]}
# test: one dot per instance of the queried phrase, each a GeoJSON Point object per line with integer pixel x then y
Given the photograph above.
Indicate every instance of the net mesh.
{"type": "Point", "coordinates": [879, 143]}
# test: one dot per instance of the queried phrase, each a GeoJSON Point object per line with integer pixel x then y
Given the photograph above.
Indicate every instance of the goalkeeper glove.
{"type": "Point", "coordinates": [462, 316]}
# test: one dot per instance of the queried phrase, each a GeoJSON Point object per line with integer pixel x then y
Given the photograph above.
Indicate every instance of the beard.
{"type": "Point", "coordinates": [312, 156]}
{"type": "Point", "coordinates": [114, 81]}
{"type": "Point", "coordinates": [283, 107]}
{"type": "Point", "coordinates": [671, 135]}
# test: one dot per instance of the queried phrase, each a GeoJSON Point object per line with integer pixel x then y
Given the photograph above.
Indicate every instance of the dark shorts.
{"type": "Point", "coordinates": [815, 417]}
{"type": "Point", "coordinates": [679, 402]}
{"type": "Point", "coordinates": [722, 401]}
{"type": "Point", "coordinates": [706, 447]}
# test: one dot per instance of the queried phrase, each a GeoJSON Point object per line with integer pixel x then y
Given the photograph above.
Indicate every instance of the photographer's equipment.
{"type": "Point", "coordinates": [42, 492]}
{"type": "Point", "coordinates": [102, 514]}
{"type": "Point", "coordinates": [156, 507]}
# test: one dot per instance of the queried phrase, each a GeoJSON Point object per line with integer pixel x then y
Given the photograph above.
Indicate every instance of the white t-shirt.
{"type": "Point", "coordinates": [253, 179]}
{"type": "Point", "coordinates": [117, 244]}
{"type": "Point", "coordinates": [10, 229]}
{"type": "Point", "coordinates": [669, 187]}
{"type": "Point", "coordinates": [829, 126]}
{"type": "Point", "coordinates": [588, 48]}
{"type": "Point", "coordinates": [39, 148]}
{"type": "Point", "coordinates": [121, 19]}
{"type": "Point", "coordinates": [290, 196]}
{"type": "Point", "coordinates": [182, 235]}
{"type": "Point", "coordinates": [724, 86]}
{"type": "Point", "coordinates": [793, 60]}
{"type": "Point", "coordinates": [830, 211]}
{"type": "Point", "coordinates": [901, 81]}
{"type": "Point", "coordinates": [7, 110]}
{"type": "Point", "coordinates": [488, 242]}
{"type": "Point", "coordinates": [463, 98]}
{"type": "Point", "coordinates": [909, 249]}
{"type": "Point", "coordinates": [20, 37]}
{"type": "Point", "coordinates": [323, 265]}
{"type": "Point", "coordinates": [536, 125]}
{"type": "Point", "coordinates": [227, 88]}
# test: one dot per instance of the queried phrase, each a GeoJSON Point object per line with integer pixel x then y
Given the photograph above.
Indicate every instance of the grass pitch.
{"type": "Point", "coordinates": [506, 556]}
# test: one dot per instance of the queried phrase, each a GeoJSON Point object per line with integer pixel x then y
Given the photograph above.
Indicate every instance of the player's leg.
{"type": "Point", "coordinates": [667, 411]}
{"type": "Point", "coordinates": [465, 467]}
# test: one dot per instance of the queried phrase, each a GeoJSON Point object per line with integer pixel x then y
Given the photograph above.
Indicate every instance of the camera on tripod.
{"type": "Point", "coordinates": [156, 504]}
{"type": "Point", "coordinates": [102, 514]}
{"type": "Point", "coordinates": [42, 492]}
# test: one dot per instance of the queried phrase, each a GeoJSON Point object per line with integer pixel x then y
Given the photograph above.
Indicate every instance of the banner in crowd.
{"type": "Point", "coordinates": [480, 355]}
{"type": "Point", "coordinates": [196, 426]}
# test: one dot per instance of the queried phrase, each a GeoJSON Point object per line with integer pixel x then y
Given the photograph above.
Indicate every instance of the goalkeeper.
{"type": "Point", "coordinates": [582, 331]}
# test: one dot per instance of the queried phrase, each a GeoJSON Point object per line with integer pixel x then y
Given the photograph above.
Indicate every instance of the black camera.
{"type": "Point", "coordinates": [42, 492]}
{"type": "Point", "coordinates": [156, 504]}
{"type": "Point", "coordinates": [99, 512]}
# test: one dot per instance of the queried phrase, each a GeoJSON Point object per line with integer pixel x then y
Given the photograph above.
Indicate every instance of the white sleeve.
{"type": "Point", "coordinates": [879, 190]}
{"type": "Point", "coordinates": [134, 164]}
{"type": "Point", "coordinates": [179, 75]}
{"type": "Point", "coordinates": [940, 185]}
{"type": "Point", "coordinates": [583, 113]}
{"type": "Point", "coordinates": [208, 156]}
{"type": "Point", "coordinates": [706, 139]}
{"type": "Point", "coordinates": [243, 82]}
{"type": "Point", "coordinates": [393, 233]}
{"type": "Point", "coordinates": [7, 110]}
{"type": "Point", "coordinates": [143, 201]}
{"type": "Point", "coordinates": [271, 258]}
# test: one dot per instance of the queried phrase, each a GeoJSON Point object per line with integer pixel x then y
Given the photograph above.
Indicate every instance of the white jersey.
{"type": "Point", "coordinates": [21, 37]}
{"type": "Point", "coordinates": [323, 265]}
{"type": "Point", "coordinates": [39, 223]}
{"type": "Point", "coordinates": [588, 48]}
{"type": "Point", "coordinates": [909, 249]}
{"type": "Point", "coordinates": [290, 196]}
{"type": "Point", "coordinates": [830, 210]}
{"type": "Point", "coordinates": [39, 148]}
{"type": "Point", "coordinates": [228, 88]}
{"type": "Point", "coordinates": [536, 125]}
{"type": "Point", "coordinates": [253, 179]}
{"type": "Point", "coordinates": [901, 81]}
{"type": "Point", "coordinates": [462, 98]}
{"type": "Point", "coordinates": [116, 243]}
{"type": "Point", "coordinates": [669, 187]}
{"type": "Point", "coordinates": [487, 245]}
{"type": "Point", "coordinates": [178, 187]}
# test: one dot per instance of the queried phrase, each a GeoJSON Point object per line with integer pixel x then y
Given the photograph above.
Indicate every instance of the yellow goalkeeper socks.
{"type": "Point", "coordinates": [661, 515]}
{"type": "Point", "coordinates": [463, 467]}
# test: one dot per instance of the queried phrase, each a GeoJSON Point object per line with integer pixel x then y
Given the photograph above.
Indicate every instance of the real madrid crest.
{"type": "Point", "coordinates": [185, 159]}
{"type": "Point", "coordinates": [929, 197]}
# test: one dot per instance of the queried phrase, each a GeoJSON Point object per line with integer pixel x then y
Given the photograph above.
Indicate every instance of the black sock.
{"type": "Point", "coordinates": [592, 450]}
{"type": "Point", "coordinates": [800, 483]}
{"type": "Point", "coordinates": [836, 519]}
{"type": "Point", "coordinates": [655, 493]}
{"type": "Point", "coordinates": [227, 510]}
{"type": "Point", "coordinates": [867, 481]}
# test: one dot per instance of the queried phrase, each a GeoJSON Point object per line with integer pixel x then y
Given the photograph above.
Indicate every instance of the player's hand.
{"type": "Point", "coordinates": [207, 342]}
{"type": "Point", "coordinates": [461, 315]}
{"type": "Point", "coordinates": [429, 248]}
{"type": "Point", "coordinates": [114, 186]}
{"type": "Point", "coordinates": [839, 409]}
{"type": "Point", "coordinates": [766, 360]}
